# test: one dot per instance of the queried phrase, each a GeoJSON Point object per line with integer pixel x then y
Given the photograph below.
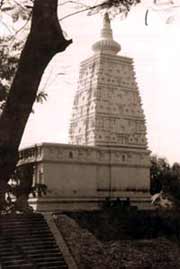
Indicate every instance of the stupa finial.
{"type": "Point", "coordinates": [106, 18]}
{"type": "Point", "coordinates": [106, 43]}
{"type": "Point", "coordinates": [106, 31]}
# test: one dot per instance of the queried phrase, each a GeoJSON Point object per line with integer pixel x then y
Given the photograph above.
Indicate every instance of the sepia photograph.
{"type": "Point", "coordinates": [89, 134]}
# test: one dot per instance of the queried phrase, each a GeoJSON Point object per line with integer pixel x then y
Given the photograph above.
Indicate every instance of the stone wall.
{"type": "Point", "coordinates": [84, 172]}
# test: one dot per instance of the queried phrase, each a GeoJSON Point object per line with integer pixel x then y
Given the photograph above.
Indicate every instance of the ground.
{"type": "Point", "coordinates": [114, 239]}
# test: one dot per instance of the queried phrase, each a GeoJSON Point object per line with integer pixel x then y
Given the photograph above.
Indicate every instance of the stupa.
{"type": "Point", "coordinates": [107, 155]}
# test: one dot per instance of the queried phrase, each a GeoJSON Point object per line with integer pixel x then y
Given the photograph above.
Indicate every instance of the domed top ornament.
{"type": "Point", "coordinates": [106, 44]}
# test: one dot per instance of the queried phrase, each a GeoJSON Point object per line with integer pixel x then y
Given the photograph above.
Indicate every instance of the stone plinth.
{"type": "Point", "coordinates": [84, 174]}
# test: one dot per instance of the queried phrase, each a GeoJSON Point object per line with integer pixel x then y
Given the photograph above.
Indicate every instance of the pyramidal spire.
{"type": "Point", "coordinates": [106, 44]}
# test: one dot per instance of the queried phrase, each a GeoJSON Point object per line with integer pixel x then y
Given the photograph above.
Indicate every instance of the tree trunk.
{"type": "Point", "coordinates": [44, 41]}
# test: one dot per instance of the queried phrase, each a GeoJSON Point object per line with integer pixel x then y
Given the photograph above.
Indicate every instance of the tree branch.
{"type": "Point", "coordinates": [102, 5]}
{"type": "Point", "coordinates": [105, 4]}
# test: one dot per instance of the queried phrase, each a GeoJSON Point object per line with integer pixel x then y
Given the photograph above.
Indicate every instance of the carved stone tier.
{"type": "Point", "coordinates": [107, 108]}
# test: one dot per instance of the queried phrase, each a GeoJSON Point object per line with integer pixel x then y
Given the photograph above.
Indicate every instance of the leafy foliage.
{"type": "Point", "coordinates": [17, 9]}
{"type": "Point", "coordinates": [9, 56]}
{"type": "Point", "coordinates": [11, 47]}
{"type": "Point", "coordinates": [165, 178]}
{"type": "Point", "coordinates": [19, 187]}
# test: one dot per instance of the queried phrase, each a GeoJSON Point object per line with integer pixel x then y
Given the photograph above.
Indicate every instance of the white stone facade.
{"type": "Point", "coordinates": [73, 172]}
{"type": "Point", "coordinates": [107, 107]}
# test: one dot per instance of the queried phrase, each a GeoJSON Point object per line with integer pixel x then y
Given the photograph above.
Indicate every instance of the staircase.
{"type": "Point", "coordinates": [26, 242]}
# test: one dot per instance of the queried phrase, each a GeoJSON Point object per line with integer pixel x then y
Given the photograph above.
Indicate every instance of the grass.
{"type": "Point", "coordinates": [114, 238]}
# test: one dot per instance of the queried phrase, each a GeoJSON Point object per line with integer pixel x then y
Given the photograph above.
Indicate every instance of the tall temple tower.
{"type": "Point", "coordinates": [107, 107]}
{"type": "Point", "coordinates": [107, 155]}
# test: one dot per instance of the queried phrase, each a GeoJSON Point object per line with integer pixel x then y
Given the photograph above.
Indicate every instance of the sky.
{"type": "Point", "coordinates": [156, 52]}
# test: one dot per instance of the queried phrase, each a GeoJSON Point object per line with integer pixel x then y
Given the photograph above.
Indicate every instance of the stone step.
{"type": "Point", "coordinates": [32, 216]}
{"type": "Point", "coordinates": [35, 259]}
{"type": "Point", "coordinates": [28, 234]}
{"type": "Point", "coordinates": [6, 238]}
{"type": "Point", "coordinates": [22, 225]}
{"type": "Point", "coordinates": [12, 255]}
{"type": "Point", "coordinates": [60, 266]}
{"type": "Point", "coordinates": [7, 249]}
{"type": "Point", "coordinates": [39, 249]}
{"type": "Point", "coordinates": [47, 257]}
{"type": "Point", "coordinates": [21, 238]}
{"type": "Point", "coordinates": [25, 266]}
{"type": "Point", "coordinates": [42, 249]}
{"type": "Point", "coordinates": [30, 266]}
{"type": "Point", "coordinates": [44, 263]}
{"type": "Point", "coordinates": [37, 245]}
{"type": "Point", "coordinates": [57, 267]}
{"type": "Point", "coordinates": [25, 229]}
{"type": "Point", "coordinates": [26, 242]}
{"type": "Point", "coordinates": [39, 261]}
{"type": "Point", "coordinates": [15, 262]}
{"type": "Point", "coordinates": [24, 247]}
{"type": "Point", "coordinates": [23, 217]}
{"type": "Point", "coordinates": [8, 234]}
{"type": "Point", "coordinates": [33, 263]}
{"type": "Point", "coordinates": [46, 254]}
{"type": "Point", "coordinates": [13, 240]}
{"type": "Point", "coordinates": [21, 222]}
